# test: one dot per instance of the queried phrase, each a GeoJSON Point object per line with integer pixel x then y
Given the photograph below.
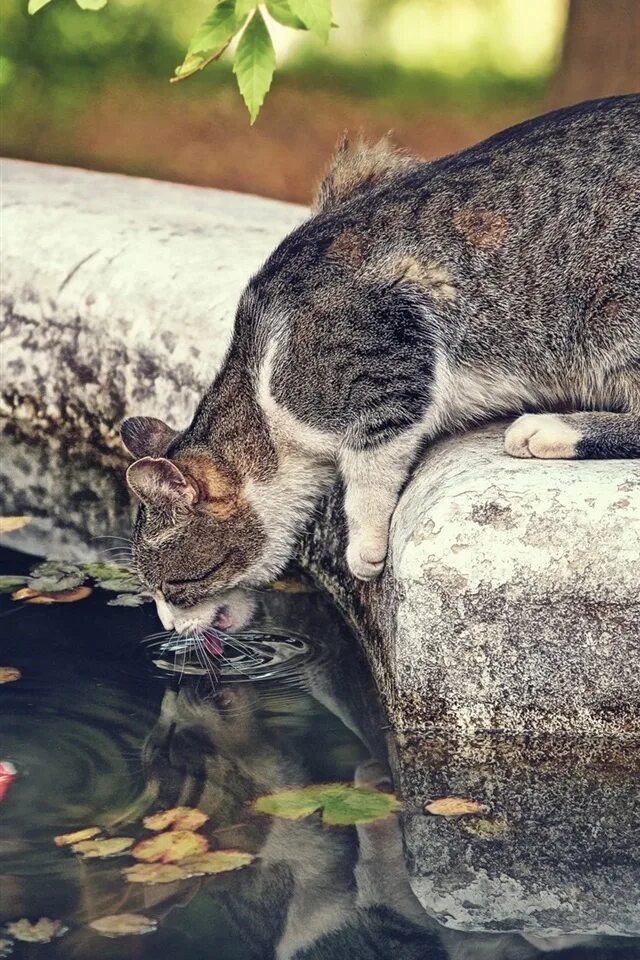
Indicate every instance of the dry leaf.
{"type": "Point", "coordinates": [66, 839]}
{"type": "Point", "coordinates": [216, 861]}
{"type": "Point", "coordinates": [42, 931]}
{"type": "Point", "coordinates": [9, 674]}
{"type": "Point", "coordinates": [154, 873]}
{"type": "Point", "coordinates": [123, 925]}
{"type": "Point", "coordinates": [113, 847]}
{"type": "Point", "coordinates": [9, 524]}
{"type": "Point", "coordinates": [453, 807]}
{"type": "Point", "coordinates": [170, 847]}
{"type": "Point", "coordinates": [29, 595]}
{"type": "Point", "coordinates": [180, 818]}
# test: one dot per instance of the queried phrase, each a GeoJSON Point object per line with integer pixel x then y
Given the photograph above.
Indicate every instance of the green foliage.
{"type": "Point", "coordinates": [255, 59]}
{"type": "Point", "coordinates": [340, 803]}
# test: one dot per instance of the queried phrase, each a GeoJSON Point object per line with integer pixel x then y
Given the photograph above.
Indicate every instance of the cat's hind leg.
{"type": "Point", "coordinates": [574, 436]}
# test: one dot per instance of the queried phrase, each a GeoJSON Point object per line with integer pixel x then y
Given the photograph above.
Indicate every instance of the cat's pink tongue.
{"type": "Point", "coordinates": [7, 776]}
{"type": "Point", "coordinates": [211, 644]}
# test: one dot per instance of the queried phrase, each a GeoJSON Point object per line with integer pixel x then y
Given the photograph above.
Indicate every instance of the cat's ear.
{"type": "Point", "coordinates": [157, 481]}
{"type": "Point", "coordinates": [355, 167]}
{"type": "Point", "coordinates": [146, 436]}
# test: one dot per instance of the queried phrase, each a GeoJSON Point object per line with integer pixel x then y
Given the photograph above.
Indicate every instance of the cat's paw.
{"type": "Point", "coordinates": [365, 559]}
{"type": "Point", "coordinates": [542, 435]}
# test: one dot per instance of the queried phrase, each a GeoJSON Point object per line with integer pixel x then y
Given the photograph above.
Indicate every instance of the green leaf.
{"type": "Point", "coordinates": [107, 571]}
{"type": "Point", "coordinates": [245, 7]}
{"type": "Point", "coordinates": [35, 5]}
{"type": "Point", "coordinates": [211, 38]}
{"type": "Point", "coordinates": [280, 10]}
{"type": "Point", "coordinates": [316, 14]}
{"type": "Point", "coordinates": [91, 4]}
{"type": "Point", "coordinates": [254, 64]}
{"type": "Point", "coordinates": [8, 584]}
{"type": "Point", "coordinates": [129, 600]}
{"type": "Point", "coordinates": [55, 575]}
{"type": "Point", "coordinates": [341, 804]}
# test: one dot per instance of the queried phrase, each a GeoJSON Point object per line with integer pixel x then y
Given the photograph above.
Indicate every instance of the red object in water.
{"type": "Point", "coordinates": [7, 776]}
{"type": "Point", "coordinates": [212, 643]}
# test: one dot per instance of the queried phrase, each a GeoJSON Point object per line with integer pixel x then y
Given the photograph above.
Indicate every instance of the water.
{"type": "Point", "coordinates": [106, 726]}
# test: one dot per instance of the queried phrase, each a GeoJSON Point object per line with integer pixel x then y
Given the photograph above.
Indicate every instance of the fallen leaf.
{"type": "Point", "coordinates": [42, 931]}
{"type": "Point", "coordinates": [341, 804]}
{"type": "Point", "coordinates": [291, 586]}
{"type": "Point", "coordinates": [453, 807]}
{"type": "Point", "coordinates": [9, 524]}
{"type": "Point", "coordinates": [215, 861]}
{"type": "Point", "coordinates": [93, 849]}
{"type": "Point", "coordinates": [8, 584]}
{"type": "Point", "coordinates": [123, 925]}
{"type": "Point", "coordinates": [485, 829]}
{"type": "Point", "coordinates": [6, 947]}
{"type": "Point", "coordinates": [154, 873]}
{"type": "Point", "coordinates": [170, 846]}
{"type": "Point", "coordinates": [29, 595]}
{"type": "Point", "coordinates": [67, 839]}
{"type": "Point", "coordinates": [9, 674]}
{"type": "Point", "coordinates": [180, 818]}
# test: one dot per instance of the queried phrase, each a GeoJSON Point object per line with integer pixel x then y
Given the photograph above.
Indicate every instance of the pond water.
{"type": "Point", "coordinates": [109, 723]}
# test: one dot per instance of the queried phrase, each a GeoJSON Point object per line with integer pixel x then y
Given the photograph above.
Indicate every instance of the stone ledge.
{"type": "Point", "coordinates": [510, 600]}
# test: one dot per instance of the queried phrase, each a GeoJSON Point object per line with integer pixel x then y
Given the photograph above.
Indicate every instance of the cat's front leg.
{"type": "Point", "coordinates": [373, 479]}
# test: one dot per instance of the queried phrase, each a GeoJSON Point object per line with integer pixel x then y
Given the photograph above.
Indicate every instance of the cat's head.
{"type": "Point", "coordinates": [196, 538]}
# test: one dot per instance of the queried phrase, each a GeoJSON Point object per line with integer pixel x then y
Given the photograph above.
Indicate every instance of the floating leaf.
{"type": "Point", "coordinates": [91, 4]}
{"type": "Point", "coordinates": [6, 947]}
{"type": "Point", "coordinates": [210, 39]}
{"type": "Point", "coordinates": [291, 586]}
{"type": "Point", "coordinates": [254, 64]}
{"type": "Point", "coordinates": [42, 931]}
{"type": "Point", "coordinates": [104, 572]}
{"type": "Point", "coordinates": [453, 807]}
{"type": "Point", "coordinates": [129, 600]}
{"type": "Point", "coordinates": [102, 849]}
{"type": "Point", "coordinates": [124, 925]}
{"type": "Point", "coordinates": [180, 818]}
{"type": "Point", "coordinates": [170, 846]}
{"type": "Point", "coordinates": [316, 14]}
{"type": "Point", "coordinates": [216, 861]}
{"type": "Point", "coordinates": [485, 829]}
{"type": "Point", "coordinates": [29, 595]}
{"type": "Point", "coordinates": [9, 524]}
{"type": "Point", "coordinates": [9, 584]}
{"type": "Point", "coordinates": [281, 11]}
{"type": "Point", "coordinates": [341, 804]}
{"type": "Point", "coordinates": [56, 575]}
{"type": "Point", "coordinates": [9, 674]}
{"type": "Point", "coordinates": [67, 839]}
{"type": "Point", "coordinates": [154, 873]}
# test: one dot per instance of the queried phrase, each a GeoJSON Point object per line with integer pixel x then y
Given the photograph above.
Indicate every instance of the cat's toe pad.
{"type": "Point", "coordinates": [545, 436]}
{"type": "Point", "coordinates": [365, 563]}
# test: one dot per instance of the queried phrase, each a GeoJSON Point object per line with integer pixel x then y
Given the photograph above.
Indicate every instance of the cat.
{"type": "Point", "coordinates": [418, 299]}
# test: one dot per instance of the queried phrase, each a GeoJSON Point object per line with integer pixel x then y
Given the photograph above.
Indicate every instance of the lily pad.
{"type": "Point", "coordinates": [9, 674]}
{"type": "Point", "coordinates": [67, 839]}
{"type": "Point", "coordinates": [29, 595]}
{"type": "Point", "coordinates": [42, 931]}
{"type": "Point", "coordinates": [216, 861]}
{"type": "Point", "coordinates": [102, 849]}
{"type": "Point", "coordinates": [9, 524]}
{"type": "Point", "coordinates": [180, 818]}
{"type": "Point", "coordinates": [121, 585]}
{"type": "Point", "coordinates": [9, 584]}
{"type": "Point", "coordinates": [170, 847]}
{"type": "Point", "coordinates": [6, 947]}
{"type": "Point", "coordinates": [154, 873]}
{"type": "Point", "coordinates": [341, 804]}
{"type": "Point", "coordinates": [129, 600]}
{"type": "Point", "coordinates": [454, 807]}
{"type": "Point", "coordinates": [54, 575]}
{"type": "Point", "coordinates": [105, 572]}
{"type": "Point", "coordinates": [124, 925]}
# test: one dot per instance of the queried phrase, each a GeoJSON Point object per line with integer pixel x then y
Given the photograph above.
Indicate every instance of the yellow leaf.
{"type": "Point", "coordinates": [154, 873]}
{"type": "Point", "coordinates": [123, 925]}
{"type": "Point", "coordinates": [42, 931]}
{"type": "Point", "coordinates": [9, 674]}
{"type": "Point", "coordinates": [170, 846]}
{"type": "Point", "coordinates": [180, 818]}
{"type": "Point", "coordinates": [216, 861]}
{"type": "Point", "coordinates": [453, 807]}
{"type": "Point", "coordinates": [29, 595]}
{"type": "Point", "coordinates": [94, 849]}
{"type": "Point", "coordinates": [9, 524]}
{"type": "Point", "coordinates": [66, 839]}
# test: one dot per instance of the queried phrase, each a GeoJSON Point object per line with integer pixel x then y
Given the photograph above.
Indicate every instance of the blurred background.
{"type": "Point", "coordinates": [91, 89]}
